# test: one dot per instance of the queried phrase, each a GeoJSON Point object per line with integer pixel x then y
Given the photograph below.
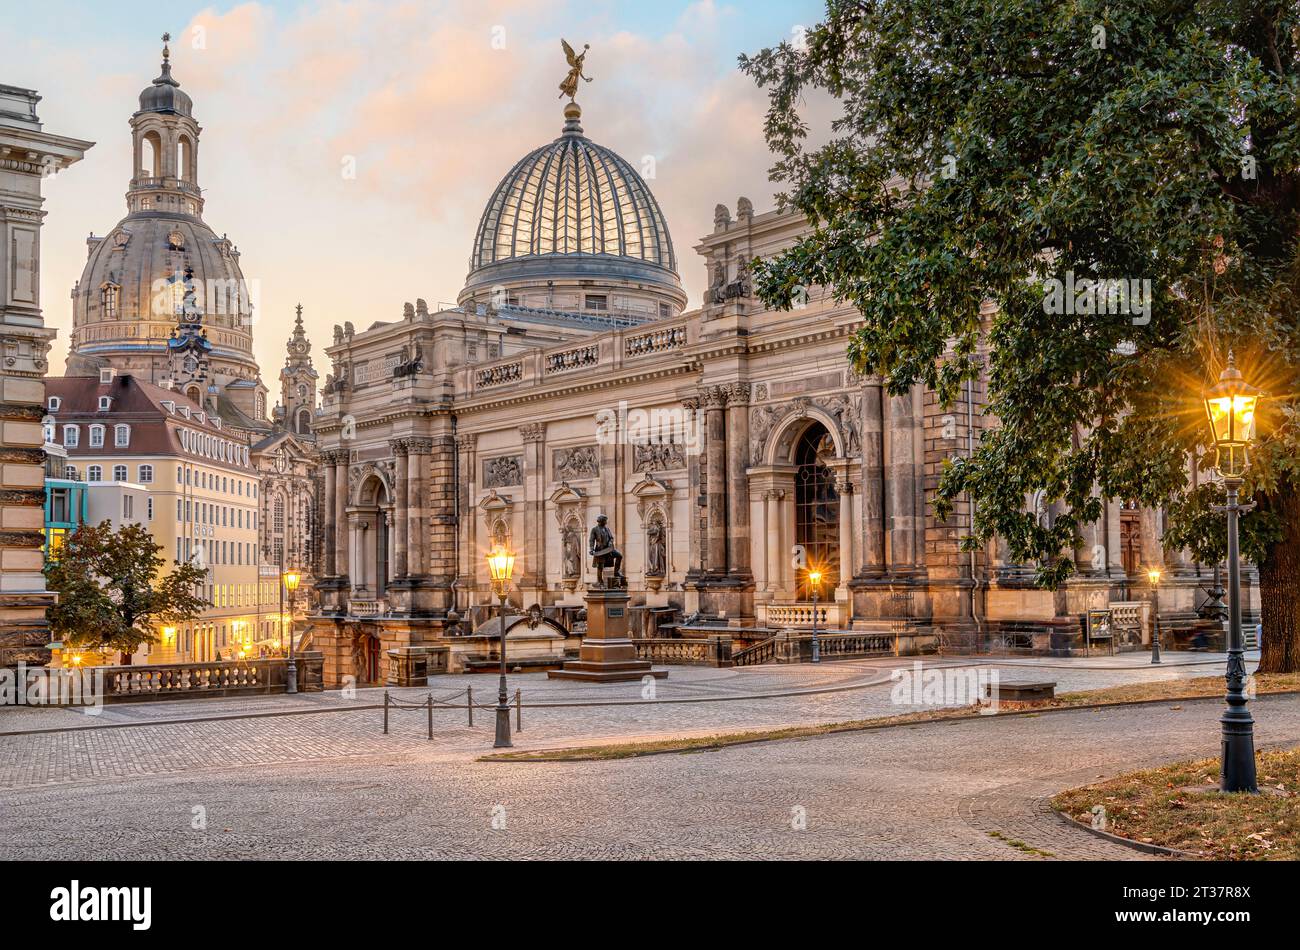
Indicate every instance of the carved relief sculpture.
{"type": "Point", "coordinates": [575, 463]}
{"type": "Point", "coordinates": [503, 471]}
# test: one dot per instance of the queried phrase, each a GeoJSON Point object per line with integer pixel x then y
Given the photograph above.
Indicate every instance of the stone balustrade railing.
{"type": "Point", "coordinates": [367, 608]}
{"type": "Point", "coordinates": [797, 615]}
{"type": "Point", "coordinates": [499, 375]}
{"type": "Point", "coordinates": [575, 358]}
{"type": "Point", "coordinates": [196, 680]}
{"type": "Point", "coordinates": [655, 341]}
{"type": "Point", "coordinates": [715, 651]}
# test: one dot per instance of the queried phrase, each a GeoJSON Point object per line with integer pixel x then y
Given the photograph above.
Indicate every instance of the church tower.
{"type": "Point", "coordinates": [298, 382]}
{"type": "Point", "coordinates": [162, 297]}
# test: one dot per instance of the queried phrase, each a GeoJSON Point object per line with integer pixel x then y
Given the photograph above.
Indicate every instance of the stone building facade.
{"type": "Point", "coordinates": [29, 156]}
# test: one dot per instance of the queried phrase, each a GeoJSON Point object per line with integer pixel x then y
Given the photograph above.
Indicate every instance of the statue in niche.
{"type": "Point", "coordinates": [656, 549]}
{"type": "Point", "coordinates": [600, 543]}
{"type": "Point", "coordinates": [572, 551]}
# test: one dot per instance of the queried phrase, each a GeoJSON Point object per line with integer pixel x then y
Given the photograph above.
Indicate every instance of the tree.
{"type": "Point", "coordinates": [987, 148]}
{"type": "Point", "coordinates": [113, 591]}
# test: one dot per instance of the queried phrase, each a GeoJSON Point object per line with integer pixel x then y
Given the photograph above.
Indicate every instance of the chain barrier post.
{"type": "Point", "coordinates": [469, 704]}
{"type": "Point", "coordinates": [385, 712]}
{"type": "Point", "coordinates": [429, 702]}
{"type": "Point", "coordinates": [519, 712]}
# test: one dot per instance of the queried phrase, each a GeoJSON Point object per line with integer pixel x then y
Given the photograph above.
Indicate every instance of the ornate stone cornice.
{"type": "Point", "coordinates": [533, 431]}
{"type": "Point", "coordinates": [419, 446]}
{"type": "Point", "coordinates": [399, 446]}
{"type": "Point", "coordinates": [737, 394]}
{"type": "Point", "coordinates": [467, 443]}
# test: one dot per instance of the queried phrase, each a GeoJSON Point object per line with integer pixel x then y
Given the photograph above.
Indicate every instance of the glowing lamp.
{"type": "Point", "coordinates": [501, 564]}
{"type": "Point", "coordinates": [291, 579]}
{"type": "Point", "coordinates": [1230, 405]}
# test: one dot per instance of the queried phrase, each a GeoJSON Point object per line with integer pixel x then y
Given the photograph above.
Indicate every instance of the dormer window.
{"type": "Point", "coordinates": [105, 403]}
{"type": "Point", "coordinates": [53, 403]}
{"type": "Point", "coordinates": [169, 406]}
{"type": "Point", "coordinates": [216, 421]}
{"type": "Point", "coordinates": [201, 416]}
{"type": "Point", "coordinates": [121, 436]}
{"type": "Point", "coordinates": [107, 375]}
{"type": "Point", "coordinates": [71, 436]}
{"type": "Point", "coordinates": [185, 411]}
{"type": "Point", "coordinates": [96, 437]}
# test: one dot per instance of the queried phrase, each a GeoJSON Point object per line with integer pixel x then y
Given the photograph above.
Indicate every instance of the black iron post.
{"type": "Point", "coordinates": [503, 700]}
{"type": "Point", "coordinates": [1155, 622]}
{"type": "Point", "coordinates": [1238, 761]}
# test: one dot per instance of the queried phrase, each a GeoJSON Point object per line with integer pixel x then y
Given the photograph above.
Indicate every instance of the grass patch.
{"type": "Point", "coordinates": [1020, 845]}
{"type": "Point", "coordinates": [1166, 807]}
{"type": "Point", "coordinates": [1112, 696]}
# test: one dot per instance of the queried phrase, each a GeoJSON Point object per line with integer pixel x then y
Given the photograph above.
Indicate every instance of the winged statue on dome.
{"type": "Point", "coordinates": [570, 85]}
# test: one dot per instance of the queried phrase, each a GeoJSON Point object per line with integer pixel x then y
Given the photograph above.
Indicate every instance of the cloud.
{"type": "Point", "coordinates": [434, 103]}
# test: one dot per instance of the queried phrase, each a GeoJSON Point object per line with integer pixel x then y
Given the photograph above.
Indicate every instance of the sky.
{"type": "Point", "coordinates": [430, 102]}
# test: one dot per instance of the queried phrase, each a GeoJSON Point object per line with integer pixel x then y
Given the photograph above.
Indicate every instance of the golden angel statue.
{"type": "Point", "coordinates": [570, 85]}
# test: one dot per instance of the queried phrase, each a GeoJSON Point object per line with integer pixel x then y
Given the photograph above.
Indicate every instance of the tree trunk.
{"type": "Point", "coordinates": [1279, 588]}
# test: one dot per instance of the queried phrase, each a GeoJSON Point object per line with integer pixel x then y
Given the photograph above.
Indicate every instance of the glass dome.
{"type": "Point", "coordinates": [577, 203]}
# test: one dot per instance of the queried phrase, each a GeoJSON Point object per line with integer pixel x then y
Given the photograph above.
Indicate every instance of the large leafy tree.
{"type": "Point", "coordinates": [986, 147]}
{"type": "Point", "coordinates": [113, 591]}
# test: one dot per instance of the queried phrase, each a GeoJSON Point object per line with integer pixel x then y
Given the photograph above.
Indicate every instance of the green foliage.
{"type": "Point", "coordinates": [112, 589]}
{"type": "Point", "coordinates": [985, 147]}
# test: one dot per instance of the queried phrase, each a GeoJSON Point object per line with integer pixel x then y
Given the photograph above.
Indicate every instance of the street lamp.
{"type": "Point", "coordinates": [291, 579]}
{"type": "Point", "coordinates": [501, 564]}
{"type": "Point", "coordinates": [1230, 405]}
{"type": "Point", "coordinates": [815, 579]}
{"type": "Point", "coordinates": [1153, 574]}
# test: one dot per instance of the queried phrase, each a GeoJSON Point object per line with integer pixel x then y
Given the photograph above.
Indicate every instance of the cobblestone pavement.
{"type": "Point", "coordinates": [322, 781]}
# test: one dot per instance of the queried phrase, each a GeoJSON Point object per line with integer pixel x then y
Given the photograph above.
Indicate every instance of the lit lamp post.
{"type": "Point", "coordinates": [1153, 574]}
{"type": "Point", "coordinates": [291, 579]}
{"type": "Point", "coordinates": [1230, 405]}
{"type": "Point", "coordinates": [501, 564]}
{"type": "Point", "coordinates": [815, 578]}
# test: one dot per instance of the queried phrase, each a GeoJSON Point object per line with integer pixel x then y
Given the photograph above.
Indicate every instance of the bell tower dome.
{"type": "Point", "coordinates": [165, 141]}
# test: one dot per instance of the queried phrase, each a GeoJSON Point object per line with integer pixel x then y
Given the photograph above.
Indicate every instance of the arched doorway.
{"type": "Point", "coordinates": [374, 509]}
{"type": "Point", "coordinates": [816, 509]}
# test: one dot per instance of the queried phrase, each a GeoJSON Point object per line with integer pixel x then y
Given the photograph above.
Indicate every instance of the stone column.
{"type": "Point", "coordinates": [715, 488]}
{"type": "Point", "coordinates": [698, 531]}
{"type": "Point", "coordinates": [873, 478]}
{"type": "Point", "coordinates": [440, 492]}
{"type": "Point", "coordinates": [401, 507]}
{"type": "Point", "coordinates": [775, 549]}
{"type": "Point", "coordinates": [739, 552]}
{"type": "Point", "coordinates": [28, 156]}
{"type": "Point", "coordinates": [329, 514]}
{"type": "Point", "coordinates": [844, 487]}
{"type": "Point", "coordinates": [417, 527]}
{"type": "Point", "coordinates": [465, 445]}
{"type": "Point", "coordinates": [901, 478]}
{"type": "Point", "coordinates": [341, 512]}
{"type": "Point", "coordinates": [534, 546]}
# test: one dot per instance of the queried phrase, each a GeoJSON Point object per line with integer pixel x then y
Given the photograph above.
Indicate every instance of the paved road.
{"type": "Point", "coordinates": [327, 784]}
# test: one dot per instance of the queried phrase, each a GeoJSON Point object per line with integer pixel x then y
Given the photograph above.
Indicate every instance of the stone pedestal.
{"type": "Point", "coordinates": [607, 654]}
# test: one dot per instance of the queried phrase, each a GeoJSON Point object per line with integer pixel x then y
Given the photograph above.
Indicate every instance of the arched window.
{"type": "Point", "coordinates": [150, 155]}
{"type": "Point", "coordinates": [70, 473]}
{"type": "Point", "coordinates": [304, 422]}
{"type": "Point", "coordinates": [184, 160]}
{"type": "Point", "coordinates": [94, 473]}
{"type": "Point", "coordinates": [119, 473]}
{"type": "Point", "coordinates": [96, 437]}
{"type": "Point", "coordinates": [146, 474]}
{"type": "Point", "coordinates": [71, 436]}
{"type": "Point", "coordinates": [817, 508]}
{"type": "Point", "coordinates": [121, 436]}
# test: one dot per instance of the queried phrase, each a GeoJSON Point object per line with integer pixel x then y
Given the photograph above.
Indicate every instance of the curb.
{"type": "Point", "coordinates": [1156, 849]}
{"type": "Point", "coordinates": [864, 728]}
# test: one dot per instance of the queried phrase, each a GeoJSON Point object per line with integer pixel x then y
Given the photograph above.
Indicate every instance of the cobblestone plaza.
{"type": "Point", "coordinates": [313, 776]}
